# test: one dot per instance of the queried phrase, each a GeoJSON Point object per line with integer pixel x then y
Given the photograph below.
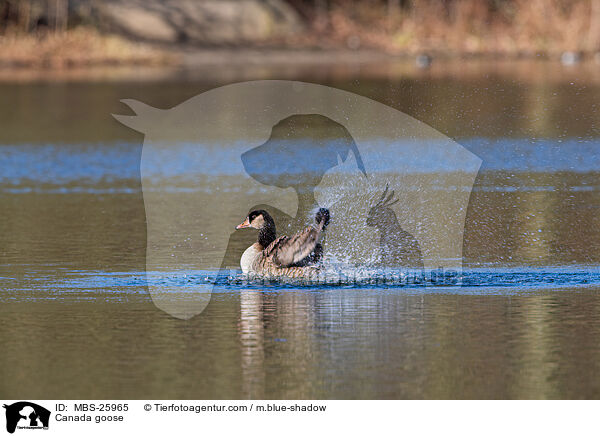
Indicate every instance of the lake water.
{"type": "Point", "coordinates": [77, 320]}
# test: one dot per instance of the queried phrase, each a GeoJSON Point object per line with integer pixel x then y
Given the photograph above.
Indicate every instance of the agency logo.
{"type": "Point", "coordinates": [26, 415]}
{"type": "Point", "coordinates": [396, 189]}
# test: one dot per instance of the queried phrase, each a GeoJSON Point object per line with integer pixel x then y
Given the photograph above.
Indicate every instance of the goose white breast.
{"type": "Point", "coordinates": [248, 258]}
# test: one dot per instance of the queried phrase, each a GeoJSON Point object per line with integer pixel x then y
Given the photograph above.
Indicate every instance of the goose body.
{"type": "Point", "coordinates": [297, 256]}
{"type": "Point", "coordinates": [249, 256]}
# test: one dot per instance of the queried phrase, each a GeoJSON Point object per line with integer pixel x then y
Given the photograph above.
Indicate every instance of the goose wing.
{"type": "Point", "coordinates": [286, 251]}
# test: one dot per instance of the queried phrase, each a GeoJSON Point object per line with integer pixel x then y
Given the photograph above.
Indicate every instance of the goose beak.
{"type": "Point", "coordinates": [245, 224]}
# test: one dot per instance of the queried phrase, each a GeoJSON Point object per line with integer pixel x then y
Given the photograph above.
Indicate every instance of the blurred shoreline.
{"type": "Point", "coordinates": [66, 34]}
{"type": "Point", "coordinates": [230, 64]}
{"type": "Point", "coordinates": [87, 47]}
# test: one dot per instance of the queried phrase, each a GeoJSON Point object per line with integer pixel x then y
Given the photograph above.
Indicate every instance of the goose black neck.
{"type": "Point", "coordinates": [266, 235]}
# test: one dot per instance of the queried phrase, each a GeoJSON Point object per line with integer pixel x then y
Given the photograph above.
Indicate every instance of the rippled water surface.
{"type": "Point", "coordinates": [77, 320]}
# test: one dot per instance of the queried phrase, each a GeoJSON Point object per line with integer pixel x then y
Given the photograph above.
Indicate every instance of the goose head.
{"type": "Point", "coordinates": [257, 219]}
{"type": "Point", "coordinates": [263, 222]}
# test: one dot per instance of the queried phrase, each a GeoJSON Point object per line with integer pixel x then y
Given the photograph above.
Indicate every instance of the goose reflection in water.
{"type": "Point", "coordinates": [298, 153]}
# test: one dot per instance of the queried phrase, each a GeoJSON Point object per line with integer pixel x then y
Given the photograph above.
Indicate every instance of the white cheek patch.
{"type": "Point", "coordinates": [258, 222]}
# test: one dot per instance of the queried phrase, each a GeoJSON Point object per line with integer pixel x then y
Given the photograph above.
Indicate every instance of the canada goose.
{"type": "Point", "coordinates": [296, 257]}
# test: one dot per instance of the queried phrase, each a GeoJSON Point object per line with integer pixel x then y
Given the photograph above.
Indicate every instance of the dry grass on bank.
{"type": "Point", "coordinates": [452, 28]}
{"type": "Point", "coordinates": [460, 27]}
{"type": "Point", "coordinates": [76, 47]}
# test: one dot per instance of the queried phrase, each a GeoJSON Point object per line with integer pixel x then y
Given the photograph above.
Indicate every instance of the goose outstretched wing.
{"type": "Point", "coordinates": [286, 251]}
